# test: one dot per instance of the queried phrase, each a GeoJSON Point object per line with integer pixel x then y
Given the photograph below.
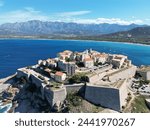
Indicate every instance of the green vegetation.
{"type": "Point", "coordinates": [142, 82]}
{"type": "Point", "coordinates": [78, 78]}
{"type": "Point", "coordinates": [29, 67]}
{"type": "Point", "coordinates": [139, 105]}
{"type": "Point", "coordinates": [31, 88]}
{"type": "Point", "coordinates": [74, 99]}
{"type": "Point", "coordinates": [80, 64]}
{"type": "Point", "coordinates": [67, 59]}
{"type": "Point", "coordinates": [55, 84]}
{"type": "Point", "coordinates": [76, 104]}
{"type": "Point", "coordinates": [41, 77]}
{"type": "Point", "coordinates": [97, 63]}
{"type": "Point", "coordinates": [1, 98]}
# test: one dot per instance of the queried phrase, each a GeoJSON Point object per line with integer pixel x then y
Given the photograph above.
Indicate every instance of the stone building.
{"type": "Point", "coordinates": [88, 63]}
{"type": "Point", "coordinates": [68, 67]}
{"type": "Point", "coordinates": [65, 54]}
{"type": "Point", "coordinates": [100, 58]}
{"type": "Point", "coordinates": [60, 76]}
{"type": "Point", "coordinates": [112, 96]}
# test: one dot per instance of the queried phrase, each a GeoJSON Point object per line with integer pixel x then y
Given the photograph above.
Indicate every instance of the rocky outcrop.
{"type": "Point", "coordinates": [32, 98]}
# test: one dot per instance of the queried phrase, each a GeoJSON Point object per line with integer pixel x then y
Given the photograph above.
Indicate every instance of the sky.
{"type": "Point", "coordinates": [122, 12]}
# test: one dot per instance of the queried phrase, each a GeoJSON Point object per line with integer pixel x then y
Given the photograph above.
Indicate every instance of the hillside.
{"type": "Point", "coordinates": [60, 29]}
{"type": "Point", "coordinates": [136, 35]}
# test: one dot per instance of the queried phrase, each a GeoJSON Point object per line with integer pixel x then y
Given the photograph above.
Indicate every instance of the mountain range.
{"type": "Point", "coordinates": [40, 28]}
{"type": "Point", "coordinates": [61, 30]}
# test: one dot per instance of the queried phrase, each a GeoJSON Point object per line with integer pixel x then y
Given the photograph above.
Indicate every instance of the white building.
{"type": "Point", "coordinates": [65, 54]}
{"type": "Point", "coordinates": [88, 63]}
{"type": "Point", "coordinates": [100, 58]}
{"type": "Point", "coordinates": [51, 63]}
{"type": "Point", "coordinates": [60, 76]}
{"type": "Point", "coordinates": [118, 60]}
{"type": "Point", "coordinates": [69, 67]}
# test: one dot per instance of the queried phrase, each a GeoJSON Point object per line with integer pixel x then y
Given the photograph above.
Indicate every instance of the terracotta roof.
{"type": "Point", "coordinates": [88, 59]}
{"type": "Point", "coordinates": [66, 52]}
{"type": "Point", "coordinates": [58, 73]}
{"type": "Point", "coordinates": [101, 55]}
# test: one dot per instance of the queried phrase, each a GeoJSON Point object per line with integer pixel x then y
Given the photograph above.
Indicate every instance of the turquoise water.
{"type": "Point", "coordinates": [19, 53]}
{"type": "Point", "coordinates": [5, 108]}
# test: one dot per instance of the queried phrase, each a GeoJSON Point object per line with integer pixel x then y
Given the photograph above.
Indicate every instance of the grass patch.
{"type": "Point", "coordinates": [139, 105]}
{"type": "Point", "coordinates": [77, 104]}
{"type": "Point", "coordinates": [74, 99]}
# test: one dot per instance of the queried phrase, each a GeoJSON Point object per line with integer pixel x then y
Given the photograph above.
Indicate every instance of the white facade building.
{"type": "Point", "coordinates": [88, 63]}
{"type": "Point", "coordinates": [60, 77]}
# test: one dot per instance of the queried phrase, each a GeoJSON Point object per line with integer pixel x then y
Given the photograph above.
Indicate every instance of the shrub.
{"type": "Point", "coordinates": [78, 78]}
{"type": "Point", "coordinates": [74, 99]}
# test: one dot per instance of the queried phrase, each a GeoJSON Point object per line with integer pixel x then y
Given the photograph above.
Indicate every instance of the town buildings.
{"type": "Point", "coordinates": [107, 76]}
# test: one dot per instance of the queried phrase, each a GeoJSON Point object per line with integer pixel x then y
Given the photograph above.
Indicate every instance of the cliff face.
{"type": "Point", "coordinates": [27, 97]}
{"type": "Point", "coordinates": [35, 99]}
{"type": "Point", "coordinates": [29, 100]}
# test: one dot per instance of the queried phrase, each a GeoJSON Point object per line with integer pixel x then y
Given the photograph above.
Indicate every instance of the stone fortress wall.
{"type": "Point", "coordinates": [53, 96]}
{"type": "Point", "coordinates": [107, 96]}
{"type": "Point", "coordinates": [104, 96]}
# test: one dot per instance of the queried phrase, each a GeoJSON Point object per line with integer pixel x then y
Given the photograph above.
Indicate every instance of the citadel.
{"type": "Point", "coordinates": [102, 79]}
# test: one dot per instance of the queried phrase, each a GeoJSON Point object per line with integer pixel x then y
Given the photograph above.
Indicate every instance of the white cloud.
{"type": "Point", "coordinates": [107, 20]}
{"type": "Point", "coordinates": [73, 13]}
{"type": "Point", "coordinates": [26, 14]}
{"type": "Point", "coordinates": [148, 19]}
{"type": "Point", "coordinates": [29, 13]}
{"type": "Point", "coordinates": [1, 3]}
{"type": "Point", "coordinates": [31, 10]}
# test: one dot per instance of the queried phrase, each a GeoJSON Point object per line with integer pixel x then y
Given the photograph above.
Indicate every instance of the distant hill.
{"type": "Point", "coordinates": [50, 29]}
{"type": "Point", "coordinates": [136, 35]}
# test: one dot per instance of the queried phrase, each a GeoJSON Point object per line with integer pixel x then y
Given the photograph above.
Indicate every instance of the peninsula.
{"type": "Point", "coordinates": [88, 81]}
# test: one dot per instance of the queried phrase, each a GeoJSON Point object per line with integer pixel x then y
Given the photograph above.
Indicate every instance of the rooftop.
{"type": "Point", "coordinates": [101, 55]}
{"type": "Point", "coordinates": [116, 84]}
{"type": "Point", "coordinates": [66, 52]}
{"type": "Point", "coordinates": [88, 59]}
{"type": "Point", "coordinates": [58, 73]}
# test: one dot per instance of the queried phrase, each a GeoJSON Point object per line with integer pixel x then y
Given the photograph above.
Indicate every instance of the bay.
{"type": "Point", "coordinates": [17, 53]}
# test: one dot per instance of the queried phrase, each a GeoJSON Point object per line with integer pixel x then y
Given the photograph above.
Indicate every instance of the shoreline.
{"type": "Point", "coordinates": [131, 43]}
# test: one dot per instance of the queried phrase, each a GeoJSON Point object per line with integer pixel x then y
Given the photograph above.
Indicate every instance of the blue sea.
{"type": "Point", "coordinates": [15, 53]}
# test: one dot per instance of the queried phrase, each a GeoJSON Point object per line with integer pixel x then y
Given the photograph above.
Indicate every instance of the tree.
{"type": "Point", "coordinates": [78, 78]}
{"type": "Point", "coordinates": [67, 59]}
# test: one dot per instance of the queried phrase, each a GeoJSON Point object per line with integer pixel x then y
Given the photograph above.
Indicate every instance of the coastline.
{"type": "Point", "coordinates": [82, 40]}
